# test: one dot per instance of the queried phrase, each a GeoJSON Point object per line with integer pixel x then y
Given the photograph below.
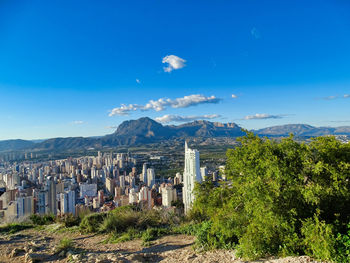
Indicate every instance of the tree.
{"type": "Point", "coordinates": [276, 192]}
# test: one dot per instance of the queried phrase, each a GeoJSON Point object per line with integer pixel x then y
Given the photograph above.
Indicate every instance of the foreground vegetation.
{"type": "Point", "coordinates": [281, 198]}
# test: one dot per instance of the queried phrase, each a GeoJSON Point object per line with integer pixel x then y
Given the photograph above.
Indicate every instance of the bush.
{"type": "Point", "coordinates": [118, 222]}
{"type": "Point", "coordinates": [69, 220]}
{"type": "Point", "coordinates": [91, 223]}
{"type": "Point", "coordinates": [318, 239]}
{"type": "Point", "coordinates": [273, 192]}
{"type": "Point", "coordinates": [64, 245]}
{"type": "Point", "coordinates": [153, 233]}
{"type": "Point", "coordinates": [123, 218]}
{"type": "Point", "coordinates": [187, 229]}
{"type": "Point", "coordinates": [14, 228]}
{"type": "Point", "coordinates": [42, 219]}
{"type": "Point", "coordinates": [343, 246]}
{"type": "Point", "coordinates": [130, 234]}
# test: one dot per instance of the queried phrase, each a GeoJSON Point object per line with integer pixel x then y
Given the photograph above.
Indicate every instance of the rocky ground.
{"type": "Point", "coordinates": [35, 245]}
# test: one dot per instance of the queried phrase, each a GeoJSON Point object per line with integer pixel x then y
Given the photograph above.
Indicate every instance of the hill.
{"type": "Point", "coordinates": [303, 130]}
{"type": "Point", "coordinates": [14, 145]}
{"type": "Point", "coordinates": [146, 130]}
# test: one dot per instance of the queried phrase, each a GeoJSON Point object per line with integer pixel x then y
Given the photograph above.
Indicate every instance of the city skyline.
{"type": "Point", "coordinates": [81, 69]}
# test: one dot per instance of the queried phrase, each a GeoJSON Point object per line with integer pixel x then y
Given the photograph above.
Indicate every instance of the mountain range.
{"type": "Point", "coordinates": [146, 130]}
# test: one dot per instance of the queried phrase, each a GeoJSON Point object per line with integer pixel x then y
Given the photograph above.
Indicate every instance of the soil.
{"type": "Point", "coordinates": [39, 246]}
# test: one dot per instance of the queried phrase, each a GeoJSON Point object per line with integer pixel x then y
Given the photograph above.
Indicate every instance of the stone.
{"type": "Point", "coordinates": [15, 252]}
{"type": "Point", "coordinates": [192, 256]}
{"type": "Point", "coordinates": [76, 257]}
{"type": "Point", "coordinates": [69, 253]}
{"type": "Point", "coordinates": [34, 257]}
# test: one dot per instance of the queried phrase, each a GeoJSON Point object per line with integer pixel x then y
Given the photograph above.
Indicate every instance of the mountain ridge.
{"type": "Point", "coordinates": [146, 130]}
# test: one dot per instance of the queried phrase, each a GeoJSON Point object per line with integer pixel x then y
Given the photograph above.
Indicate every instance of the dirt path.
{"type": "Point", "coordinates": [90, 248]}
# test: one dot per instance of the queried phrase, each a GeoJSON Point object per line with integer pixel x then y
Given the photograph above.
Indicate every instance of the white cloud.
{"type": "Point", "coordinates": [330, 98]}
{"type": "Point", "coordinates": [255, 33]}
{"type": "Point", "coordinates": [124, 109]}
{"type": "Point", "coordinates": [78, 122]}
{"type": "Point", "coordinates": [163, 103]}
{"type": "Point", "coordinates": [138, 81]}
{"type": "Point", "coordinates": [234, 96]}
{"type": "Point", "coordinates": [174, 62]}
{"type": "Point", "coordinates": [177, 118]}
{"type": "Point", "coordinates": [111, 127]}
{"type": "Point", "coordinates": [263, 116]}
{"type": "Point", "coordinates": [346, 96]}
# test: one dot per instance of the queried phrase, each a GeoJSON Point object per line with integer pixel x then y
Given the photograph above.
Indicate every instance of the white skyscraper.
{"type": "Point", "coordinates": [204, 173]}
{"type": "Point", "coordinates": [151, 177]}
{"type": "Point", "coordinates": [191, 175]}
{"type": "Point", "coordinates": [144, 173]}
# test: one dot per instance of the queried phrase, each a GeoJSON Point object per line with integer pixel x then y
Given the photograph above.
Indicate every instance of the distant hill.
{"type": "Point", "coordinates": [14, 145]}
{"type": "Point", "coordinates": [303, 130]}
{"type": "Point", "coordinates": [143, 131]}
{"type": "Point", "coordinates": [146, 130]}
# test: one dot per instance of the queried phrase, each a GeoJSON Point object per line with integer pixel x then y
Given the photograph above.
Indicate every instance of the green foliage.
{"type": "Point", "coordinates": [187, 229]}
{"type": "Point", "coordinates": [130, 234]}
{"type": "Point", "coordinates": [343, 246]}
{"type": "Point", "coordinates": [69, 220]}
{"type": "Point", "coordinates": [119, 221]}
{"type": "Point", "coordinates": [64, 245]}
{"type": "Point", "coordinates": [91, 223]}
{"type": "Point", "coordinates": [14, 228]}
{"type": "Point", "coordinates": [42, 219]}
{"type": "Point", "coordinates": [274, 190]}
{"type": "Point", "coordinates": [318, 239]}
{"type": "Point", "coordinates": [153, 233]}
{"type": "Point", "coordinates": [126, 223]}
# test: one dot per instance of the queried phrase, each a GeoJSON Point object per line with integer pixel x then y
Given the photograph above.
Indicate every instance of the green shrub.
{"type": "Point", "coordinates": [64, 245]}
{"type": "Point", "coordinates": [153, 233]}
{"type": "Point", "coordinates": [130, 234]}
{"type": "Point", "coordinates": [119, 221]}
{"type": "Point", "coordinates": [14, 228]}
{"type": "Point", "coordinates": [150, 218]}
{"type": "Point", "coordinates": [274, 189]}
{"type": "Point", "coordinates": [343, 246]}
{"type": "Point", "coordinates": [91, 223]}
{"type": "Point", "coordinates": [318, 239]}
{"type": "Point", "coordinates": [69, 220]}
{"type": "Point", "coordinates": [187, 229]}
{"type": "Point", "coordinates": [42, 219]}
{"type": "Point", "coordinates": [123, 218]}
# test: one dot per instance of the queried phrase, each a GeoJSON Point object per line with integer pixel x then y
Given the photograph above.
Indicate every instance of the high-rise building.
{"type": "Point", "coordinates": [151, 177]}
{"type": "Point", "coordinates": [52, 199]}
{"type": "Point", "coordinates": [24, 206]}
{"type": "Point", "coordinates": [168, 195]}
{"type": "Point", "coordinates": [191, 175]}
{"type": "Point", "coordinates": [42, 202]}
{"type": "Point", "coordinates": [204, 172]}
{"type": "Point", "coordinates": [110, 184]}
{"type": "Point", "coordinates": [67, 200]}
{"type": "Point", "coordinates": [144, 173]}
{"type": "Point", "coordinates": [145, 196]}
{"type": "Point", "coordinates": [122, 181]}
{"type": "Point", "coordinates": [133, 198]}
{"type": "Point", "coordinates": [95, 203]}
{"type": "Point", "coordinates": [89, 190]}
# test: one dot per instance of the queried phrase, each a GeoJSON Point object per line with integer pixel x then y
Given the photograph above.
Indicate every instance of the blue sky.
{"type": "Point", "coordinates": [65, 65]}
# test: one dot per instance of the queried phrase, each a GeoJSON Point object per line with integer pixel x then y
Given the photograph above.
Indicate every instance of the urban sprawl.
{"type": "Point", "coordinates": [96, 184]}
